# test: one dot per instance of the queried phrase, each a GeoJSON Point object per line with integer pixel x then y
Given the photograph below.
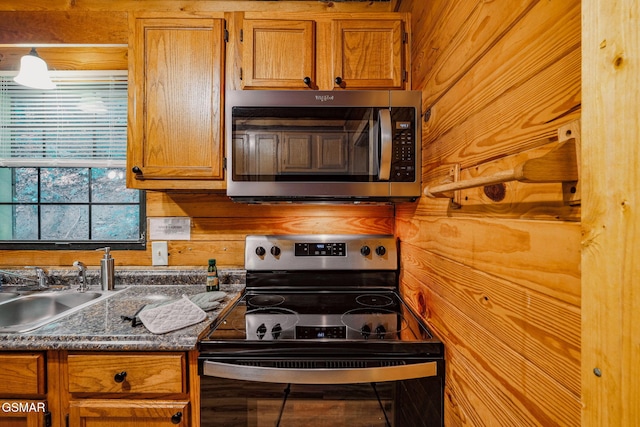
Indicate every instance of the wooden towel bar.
{"type": "Point", "coordinates": [559, 165]}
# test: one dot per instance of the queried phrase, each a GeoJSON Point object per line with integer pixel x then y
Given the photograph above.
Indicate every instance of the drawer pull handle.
{"type": "Point", "coordinates": [120, 377]}
{"type": "Point", "coordinates": [176, 418]}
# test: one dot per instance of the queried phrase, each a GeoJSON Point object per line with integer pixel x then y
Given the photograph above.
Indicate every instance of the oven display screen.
{"type": "Point", "coordinates": [320, 249]}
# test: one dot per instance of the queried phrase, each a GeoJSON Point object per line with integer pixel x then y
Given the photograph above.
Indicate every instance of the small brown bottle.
{"type": "Point", "coordinates": [213, 282]}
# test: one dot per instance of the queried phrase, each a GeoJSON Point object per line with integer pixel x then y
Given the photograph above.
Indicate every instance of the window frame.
{"type": "Point", "coordinates": [137, 244]}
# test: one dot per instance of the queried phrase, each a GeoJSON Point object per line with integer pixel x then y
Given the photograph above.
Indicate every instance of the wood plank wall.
{"type": "Point", "coordinates": [499, 281]}
{"type": "Point", "coordinates": [219, 226]}
{"type": "Point", "coordinates": [611, 186]}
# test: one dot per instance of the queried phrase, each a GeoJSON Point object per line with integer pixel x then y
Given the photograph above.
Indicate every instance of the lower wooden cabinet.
{"type": "Point", "coordinates": [24, 413]}
{"type": "Point", "coordinates": [128, 389]}
{"type": "Point", "coordinates": [23, 390]}
{"type": "Point", "coordinates": [99, 389]}
{"type": "Point", "coordinates": [129, 413]}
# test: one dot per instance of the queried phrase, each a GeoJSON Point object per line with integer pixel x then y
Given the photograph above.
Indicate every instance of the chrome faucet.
{"type": "Point", "coordinates": [41, 274]}
{"type": "Point", "coordinates": [43, 279]}
{"type": "Point", "coordinates": [82, 276]}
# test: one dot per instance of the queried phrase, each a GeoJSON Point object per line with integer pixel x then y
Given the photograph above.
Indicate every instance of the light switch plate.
{"type": "Point", "coordinates": [160, 253]}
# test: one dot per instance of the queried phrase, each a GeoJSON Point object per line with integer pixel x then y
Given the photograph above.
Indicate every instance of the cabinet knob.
{"type": "Point", "coordinates": [338, 81]}
{"type": "Point", "coordinates": [176, 418]}
{"type": "Point", "coordinates": [307, 81]}
{"type": "Point", "coordinates": [136, 170]}
{"type": "Point", "coordinates": [120, 376]}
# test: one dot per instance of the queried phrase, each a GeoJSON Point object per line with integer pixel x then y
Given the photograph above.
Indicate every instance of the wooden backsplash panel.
{"type": "Point", "coordinates": [219, 226]}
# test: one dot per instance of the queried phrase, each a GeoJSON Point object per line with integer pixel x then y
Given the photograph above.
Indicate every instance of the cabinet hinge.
{"type": "Point", "coordinates": [241, 35]}
{"type": "Point", "coordinates": [47, 419]}
{"type": "Point", "coordinates": [405, 38]}
{"type": "Point", "coordinates": [240, 73]}
{"type": "Point", "coordinates": [224, 163]}
{"type": "Point", "coordinates": [405, 75]}
{"type": "Point", "coordinates": [226, 35]}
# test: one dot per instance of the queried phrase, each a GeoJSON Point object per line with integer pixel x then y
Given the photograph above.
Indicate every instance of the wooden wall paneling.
{"type": "Point", "coordinates": [69, 58]}
{"type": "Point", "coordinates": [520, 119]}
{"type": "Point", "coordinates": [611, 218]}
{"type": "Point", "coordinates": [71, 27]}
{"type": "Point", "coordinates": [490, 373]}
{"type": "Point", "coordinates": [516, 96]}
{"type": "Point", "coordinates": [543, 330]}
{"type": "Point", "coordinates": [465, 31]}
{"type": "Point", "coordinates": [543, 256]}
{"type": "Point", "coordinates": [306, 6]}
{"type": "Point", "coordinates": [219, 205]}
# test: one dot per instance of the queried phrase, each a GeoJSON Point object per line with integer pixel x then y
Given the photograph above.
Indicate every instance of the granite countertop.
{"type": "Point", "coordinates": [99, 326]}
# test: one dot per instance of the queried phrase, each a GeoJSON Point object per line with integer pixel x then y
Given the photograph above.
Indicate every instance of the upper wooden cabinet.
{"type": "Point", "coordinates": [367, 54]}
{"type": "Point", "coordinates": [327, 54]}
{"type": "Point", "coordinates": [176, 68]}
{"type": "Point", "coordinates": [278, 53]}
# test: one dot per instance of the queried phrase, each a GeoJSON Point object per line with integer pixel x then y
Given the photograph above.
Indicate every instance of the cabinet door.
{"type": "Point", "coordinates": [175, 104]}
{"type": "Point", "coordinates": [368, 54]}
{"type": "Point", "coordinates": [33, 416]}
{"type": "Point", "coordinates": [128, 413]}
{"type": "Point", "coordinates": [278, 54]}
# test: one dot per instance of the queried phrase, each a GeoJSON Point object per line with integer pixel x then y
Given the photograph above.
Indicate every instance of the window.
{"type": "Point", "coordinates": [62, 160]}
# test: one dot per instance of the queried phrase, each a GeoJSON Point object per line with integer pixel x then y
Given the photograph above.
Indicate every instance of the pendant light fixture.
{"type": "Point", "coordinates": [34, 72]}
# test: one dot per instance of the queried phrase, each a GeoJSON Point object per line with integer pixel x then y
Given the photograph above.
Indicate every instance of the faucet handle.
{"type": "Point", "coordinates": [82, 276]}
{"type": "Point", "coordinates": [41, 274]}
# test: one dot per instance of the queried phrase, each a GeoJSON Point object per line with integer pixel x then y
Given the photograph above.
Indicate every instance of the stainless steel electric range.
{"type": "Point", "coordinates": [321, 337]}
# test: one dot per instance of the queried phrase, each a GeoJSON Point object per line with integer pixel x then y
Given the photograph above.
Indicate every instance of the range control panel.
{"type": "Point", "coordinates": [320, 252]}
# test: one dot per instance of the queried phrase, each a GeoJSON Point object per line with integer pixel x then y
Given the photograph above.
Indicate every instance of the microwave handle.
{"type": "Point", "coordinates": [386, 138]}
{"type": "Point", "coordinates": [231, 371]}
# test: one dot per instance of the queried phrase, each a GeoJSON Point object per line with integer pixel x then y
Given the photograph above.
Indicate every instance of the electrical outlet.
{"type": "Point", "coordinates": [160, 253]}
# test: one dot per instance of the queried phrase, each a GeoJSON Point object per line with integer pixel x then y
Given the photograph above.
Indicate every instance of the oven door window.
{"type": "Point", "coordinates": [311, 144]}
{"type": "Point", "coordinates": [255, 404]}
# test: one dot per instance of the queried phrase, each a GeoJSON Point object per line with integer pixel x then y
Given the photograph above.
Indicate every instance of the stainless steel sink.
{"type": "Point", "coordinates": [6, 296]}
{"type": "Point", "coordinates": [22, 314]}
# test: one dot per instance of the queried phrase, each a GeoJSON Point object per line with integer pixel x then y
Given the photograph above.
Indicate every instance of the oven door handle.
{"type": "Point", "coordinates": [318, 376]}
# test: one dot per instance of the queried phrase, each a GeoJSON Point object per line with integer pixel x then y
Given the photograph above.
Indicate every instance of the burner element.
{"type": "Point", "coordinates": [266, 300]}
{"type": "Point", "coordinates": [373, 300]}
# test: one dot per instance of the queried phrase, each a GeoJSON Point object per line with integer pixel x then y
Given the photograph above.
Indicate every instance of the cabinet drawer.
{"type": "Point", "coordinates": [127, 373]}
{"type": "Point", "coordinates": [22, 374]}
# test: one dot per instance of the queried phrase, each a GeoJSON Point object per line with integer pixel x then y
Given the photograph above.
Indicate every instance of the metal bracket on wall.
{"type": "Point", "coordinates": [561, 164]}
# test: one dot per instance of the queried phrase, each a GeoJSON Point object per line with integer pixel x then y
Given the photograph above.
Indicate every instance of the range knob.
{"type": "Point", "coordinates": [380, 332]}
{"type": "Point", "coordinates": [260, 251]}
{"type": "Point", "coordinates": [275, 251]}
{"type": "Point", "coordinates": [381, 250]}
{"type": "Point", "coordinates": [365, 331]}
{"type": "Point", "coordinates": [276, 331]}
{"type": "Point", "coordinates": [262, 329]}
{"type": "Point", "coordinates": [365, 250]}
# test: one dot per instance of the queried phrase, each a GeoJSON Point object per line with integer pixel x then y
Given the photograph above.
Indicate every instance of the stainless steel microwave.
{"type": "Point", "coordinates": [358, 146]}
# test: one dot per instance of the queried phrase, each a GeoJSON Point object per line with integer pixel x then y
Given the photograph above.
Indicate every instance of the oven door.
{"type": "Point", "coordinates": [307, 391]}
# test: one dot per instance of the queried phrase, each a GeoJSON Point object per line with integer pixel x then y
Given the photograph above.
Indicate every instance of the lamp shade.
{"type": "Point", "coordinates": [34, 72]}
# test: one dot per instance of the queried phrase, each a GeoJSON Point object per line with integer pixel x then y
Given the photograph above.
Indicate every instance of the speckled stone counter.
{"type": "Point", "coordinates": [100, 326]}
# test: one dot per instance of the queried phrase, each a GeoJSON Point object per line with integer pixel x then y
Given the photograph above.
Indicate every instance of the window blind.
{"type": "Point", "coordinates": [80, 123]}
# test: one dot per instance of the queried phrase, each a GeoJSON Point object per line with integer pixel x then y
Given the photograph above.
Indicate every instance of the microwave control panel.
{"type": "Point", "coordinates": [403, 153]}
